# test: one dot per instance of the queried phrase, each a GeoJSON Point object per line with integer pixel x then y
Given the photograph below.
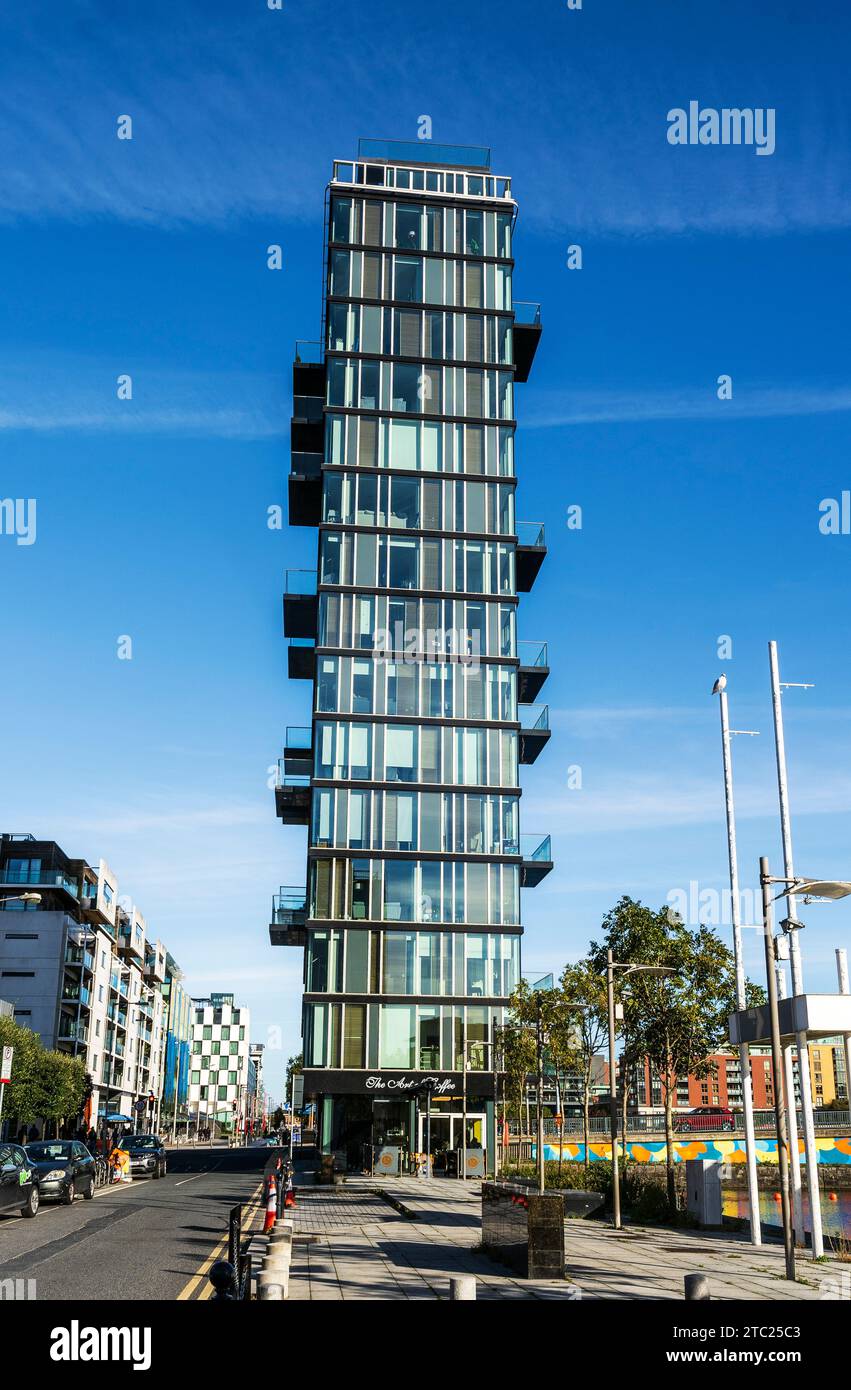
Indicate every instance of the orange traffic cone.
{"type": "Point", "coordinates": [271, 1205]}
{"type": "Point", "coordinates": [289, 1195]}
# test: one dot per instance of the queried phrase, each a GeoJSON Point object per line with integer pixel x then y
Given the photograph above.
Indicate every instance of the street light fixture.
{"type": "Point", "coordinates": [22, 898]}
{"type": "Point", "coordinates": [629, 968]}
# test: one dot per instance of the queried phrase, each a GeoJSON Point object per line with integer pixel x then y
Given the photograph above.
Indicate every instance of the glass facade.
{"type": "Point", "coordinates": [412, 917]}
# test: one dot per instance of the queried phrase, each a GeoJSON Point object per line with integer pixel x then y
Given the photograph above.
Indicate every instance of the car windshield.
{"type": "Point", "coordinates": [140, 1141]}
{"type": "Point", "coordinates": [41, 1153]}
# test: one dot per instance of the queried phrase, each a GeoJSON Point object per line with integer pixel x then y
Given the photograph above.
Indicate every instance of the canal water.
{"type": "Point", "coordinates": [835, 1216]}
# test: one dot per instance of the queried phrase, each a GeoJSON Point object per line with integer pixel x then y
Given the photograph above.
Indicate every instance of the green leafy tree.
{"type": "Point", "coordinates": [584, 993]}
{"type": "Point", "coordinates": [677, 1022]}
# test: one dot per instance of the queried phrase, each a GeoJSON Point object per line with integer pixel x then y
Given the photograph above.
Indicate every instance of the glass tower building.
{"type": "Point", "coordinates": [423, 699]}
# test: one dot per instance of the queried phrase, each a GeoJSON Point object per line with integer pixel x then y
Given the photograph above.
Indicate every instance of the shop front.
{"type": "Point", "coordinates": [386, 1121]}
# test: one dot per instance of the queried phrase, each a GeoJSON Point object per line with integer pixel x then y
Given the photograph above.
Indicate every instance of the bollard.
{"type": "Point", "coordinates": [223, 1279]}
{"type": "Point", "coordinates": [270, 1292]}
{"type": "Point", "coordinates": [462, 1289]}
{"type": "Point", "coordinates": [696, 1286]}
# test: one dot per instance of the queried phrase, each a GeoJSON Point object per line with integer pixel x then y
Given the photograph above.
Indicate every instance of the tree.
{"type": "Point", "coordinates": [516, 1045]}
{"type": "Point", "coordinates": [584, 994]}
{"type": "Point", "coordinates": [677, 1022]}
{"type": "Point", "coordinates": [45, 1085]}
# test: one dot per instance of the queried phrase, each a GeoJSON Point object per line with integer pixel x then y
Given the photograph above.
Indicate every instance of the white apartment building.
{"type": "Point", "coordinates": [219, 1089]}
{"type": "Point", "coordinates": [80, 971]}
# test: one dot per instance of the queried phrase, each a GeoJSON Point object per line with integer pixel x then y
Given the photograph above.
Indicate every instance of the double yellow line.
{"type": "Point", "coordinates": [217, 1253]}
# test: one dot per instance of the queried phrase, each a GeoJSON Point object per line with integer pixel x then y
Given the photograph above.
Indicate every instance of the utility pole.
{"type": "Point", "coordinates": [795, 956]}
{"type": "Point", "coordinates": [842, 974]}
{"type": "Point", "coordinates": [613, 1099]}
{"type": "Point", "coordinates": [539, 1063]}
{"type": "Point", "coordinates": [779, 1108]}
{"type": "Point", "coordinates": [741, 1000]}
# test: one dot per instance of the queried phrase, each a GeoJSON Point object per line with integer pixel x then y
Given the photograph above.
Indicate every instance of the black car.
{"type": "Point", "coordinates": [147, 1155]}
{"type": "Point", "coordinates": [64, 1168]}
{"type": "Point", "coordinates": [18, 1186]}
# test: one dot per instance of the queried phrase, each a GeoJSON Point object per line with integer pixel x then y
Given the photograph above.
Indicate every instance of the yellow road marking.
{"type": "Point", "coordinates": [216, 1253]}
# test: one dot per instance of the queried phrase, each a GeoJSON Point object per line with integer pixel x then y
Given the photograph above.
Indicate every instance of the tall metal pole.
{"type": "Point", "coordinates": [779, 1108]}
{"type": "Point", "coordinates": [810, 1148]}
{"type": "Point", "coordinates": [842, 974]}
{"type": "Point", "coordinates": [613, 1100]}
{"type": "Point", "coordinates": [792, 1120]}
{"type": "Point", "coordinates": [539, 1063]}
{"type": "Point", "coordinates": [741, 1001]}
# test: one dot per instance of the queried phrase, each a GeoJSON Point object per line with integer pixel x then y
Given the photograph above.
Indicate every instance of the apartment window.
{"type": "Point", "coordinates": [21, 935]}
{"type": "Point", "coordinates": [18, 974]}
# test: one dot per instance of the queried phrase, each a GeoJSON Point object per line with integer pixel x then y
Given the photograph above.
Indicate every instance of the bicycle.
{"type": "Point", "coordinates": [102, 1174]}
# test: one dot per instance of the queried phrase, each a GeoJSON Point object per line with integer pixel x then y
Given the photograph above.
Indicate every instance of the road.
{"type": "Point", "coordinates": [142, 1240]}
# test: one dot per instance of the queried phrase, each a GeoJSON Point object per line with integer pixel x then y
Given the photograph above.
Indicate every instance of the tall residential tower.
{"type": "Point", "coordinates": [403, 456]}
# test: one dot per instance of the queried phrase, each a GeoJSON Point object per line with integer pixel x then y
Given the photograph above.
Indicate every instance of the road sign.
{"type": "Point", "coordinates": [6, 1065]}
{"type": "Point", "coordinates": [298, 1092]}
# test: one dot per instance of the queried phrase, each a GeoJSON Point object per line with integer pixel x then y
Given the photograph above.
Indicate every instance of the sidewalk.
{"type": "Point", "coordinates": [352, 1243]}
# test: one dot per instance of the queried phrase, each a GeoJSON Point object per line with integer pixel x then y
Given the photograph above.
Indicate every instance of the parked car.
{"type": "Point", "coordinates": [63, 1167]}
{"type": "Point", "coordinates": [18, 1186]}
{"type": "Point", "coordinates": [706, 1117]}
{"type": "Point", "coordinates": [147, 1155]}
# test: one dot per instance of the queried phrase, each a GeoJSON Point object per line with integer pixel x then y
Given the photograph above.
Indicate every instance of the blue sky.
{"type": "Point", "coordinates": [700, 517]}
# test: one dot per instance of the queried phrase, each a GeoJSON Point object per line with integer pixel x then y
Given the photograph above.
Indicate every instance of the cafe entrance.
{"type": "Point", "coordinates": [448, 1134]}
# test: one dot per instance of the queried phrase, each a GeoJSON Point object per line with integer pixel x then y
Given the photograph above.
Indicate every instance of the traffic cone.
{"type": "Point", "coordinates": [289, 1195]}
{"type": "Point", "coordinates": [271, 1205]}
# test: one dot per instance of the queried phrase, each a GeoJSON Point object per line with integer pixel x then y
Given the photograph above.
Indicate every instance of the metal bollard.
{"type": "Point", "coordinates": [223, 1279]}
{"type": "Point", "coordinates": [463, 1288]}
{"type": "Point", "coordinates": [696, 1286]}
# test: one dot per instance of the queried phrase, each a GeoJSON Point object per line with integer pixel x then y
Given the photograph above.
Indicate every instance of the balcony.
{"type": "Point", "coordinates": [298, 751]}
{"type": "Point", "coordinates": [129, 946]}
{"type": "Point", "coordinates": [289, 915]}
{"type": "Point", "coordinates": [301, 659]}
{"type": "Point", "coordinates": [301, 604]}
{"type": "Point", "coordinates": [307, 430]}
{"type": "Point", "coordinates": [155, 969]}
{"type": "Point", "coordinates": [292, 798]}
{"type": "Point", "coordinates": [531, 549]}
{"type": "Point", "coordinates": [71, 1032]}
{"type": "Point", "coordinates": [527, 335]}
{"type": "Point", "coordinates": [534, 669]}
{"type": "Point", "coordinates": [534, 731]}
{"type": "Point", "coordinates": [305, 488]}
{"type": "Point", "coordinates": [536, 859]}
{"type": "Point", "coordinates": [76, 994]}
{"type": "Point", "coordinates": [75, 955]}
{"type": "Point", "coordinates": [28, 879]}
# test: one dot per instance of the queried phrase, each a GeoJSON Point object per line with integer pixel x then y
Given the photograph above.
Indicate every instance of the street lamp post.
{"type": "Point", "coordinates": [776, 1062]}
{"type": "Point", "coordinates": [810, 1149]}
{"type": "Point", "coordinates": [539, 1073]}
{"type": "Point", "coordinates": [660, 972]}
{"type": "Point", "coordinates": [739, 964]}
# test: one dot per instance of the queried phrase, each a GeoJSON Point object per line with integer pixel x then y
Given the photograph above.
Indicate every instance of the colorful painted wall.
{"type": "Point", "coordinates": [830, 1150]}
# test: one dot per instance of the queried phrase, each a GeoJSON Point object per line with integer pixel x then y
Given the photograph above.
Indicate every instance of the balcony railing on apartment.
{"type": "Point", "coordinates": [308, 351]}
{"type": "Point", "coordinates": [301, 604]}
{"type": "Point", "coordinates": [69, 1031]}
{"type": "Point", "coordinates": [289, 916]}
{"type": "Point", "coordinates": [534, 731]}
{"type": "Point", "coordinates": [301, 658]}
{"type": "Point", "coordinates": [531, 550]}
{"type": "Point", "coordinates": [533, 671]}
{"type": "Point", "coordinates": [75, 955]}
{"type": "Point", "coordinates": [421, 179]}
{"type": "Point", "coordinates": [44, 878]}
{"type": "Point", "coordinates": [527, 335]}
{"type": "Point", "coordinates": [76, 994]}
{"type": "Point", "coordinates": [292, 796]}
{"type": "Point", "coordinates": [536, 859]}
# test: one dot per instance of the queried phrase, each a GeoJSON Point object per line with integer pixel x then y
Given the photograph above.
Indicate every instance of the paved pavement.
{"type": "Point", "coordinates": [350, 1243]}
{"type": "Point", "coordinates": [141, 1240]}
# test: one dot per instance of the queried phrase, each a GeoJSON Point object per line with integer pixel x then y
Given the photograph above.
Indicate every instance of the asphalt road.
{"type": "Point", "coordinates": [141, 1240]}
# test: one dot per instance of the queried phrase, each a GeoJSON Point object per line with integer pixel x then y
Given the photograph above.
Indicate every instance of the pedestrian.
{"type": "Point", "coordinates": [33, 1134]}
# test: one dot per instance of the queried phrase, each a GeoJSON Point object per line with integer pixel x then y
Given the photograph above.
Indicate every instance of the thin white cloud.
{"type": "Point", "coordinates": [555, 409]}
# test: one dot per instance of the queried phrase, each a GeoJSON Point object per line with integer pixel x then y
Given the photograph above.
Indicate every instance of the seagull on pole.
{"type": "Point", "coordinates": [720, 684]}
